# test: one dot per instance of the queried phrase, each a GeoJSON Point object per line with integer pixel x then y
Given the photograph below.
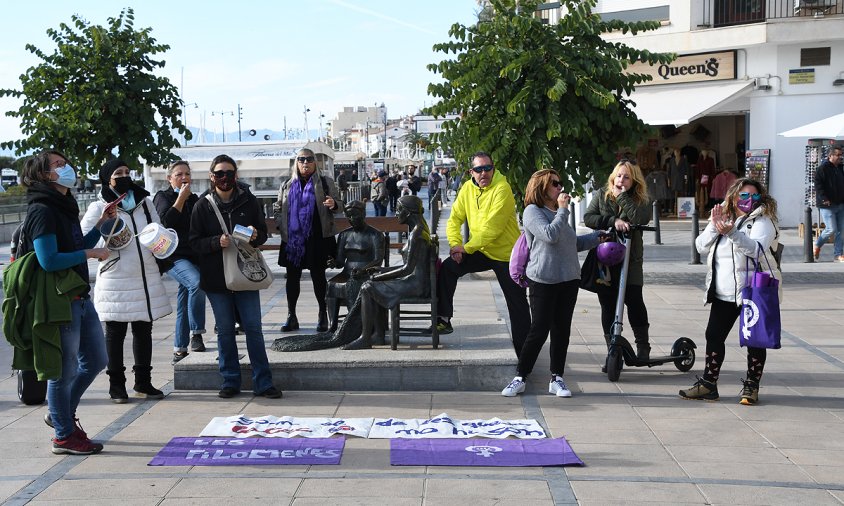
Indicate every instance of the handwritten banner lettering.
{"type": "Point", "coordinates": [193, 451]}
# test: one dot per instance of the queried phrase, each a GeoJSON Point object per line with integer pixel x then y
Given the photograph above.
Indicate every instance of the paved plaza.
{"type": "Point", "coordinates": [640, 442]}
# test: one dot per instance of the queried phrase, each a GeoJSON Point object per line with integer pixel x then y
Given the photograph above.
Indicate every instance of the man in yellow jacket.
{"type": "Point", "coordinates": [487, 205]}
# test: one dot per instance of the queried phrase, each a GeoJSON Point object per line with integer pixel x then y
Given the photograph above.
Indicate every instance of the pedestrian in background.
{"type": "Point", "coordinates": [129, 290]}
{"type": "Point", "coordinates": [741, 233]}
{"type": "Point", "coordinates": [380, 195]}
{"type": "Point", "coordinates": [829, 196]}
{"type": "Point", "coordinates": [238, 206]}
{"type": "Point", "coordinates": [304, 214]}
{"type": "Point", "coordinates": [624, 201]}
{"type": "Point", "coordinates": [174, 206]}
{"type": "Point", "coordinates": [553, 273]}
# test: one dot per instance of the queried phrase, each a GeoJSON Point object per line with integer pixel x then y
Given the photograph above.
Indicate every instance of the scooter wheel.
{"type": "Point", "coordinates": [686, 350]}
{"type": "Point", "coordinates": [615, 361]}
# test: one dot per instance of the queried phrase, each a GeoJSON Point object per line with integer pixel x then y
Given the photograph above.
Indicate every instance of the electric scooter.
{"type": "Point", "coordinates": [620, 351]}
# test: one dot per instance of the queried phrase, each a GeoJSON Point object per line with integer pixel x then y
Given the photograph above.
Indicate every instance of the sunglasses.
{"type": "Point", "coordinates": [556, 184]}
{"type": "Point", "coordinates": [223, 173]}
{"type": "Point", "coordinates": [305, 159]}
{"type": "Point", "coordinates": [482, 168]}
{"type": "Point", "coordinates": [748, 195]}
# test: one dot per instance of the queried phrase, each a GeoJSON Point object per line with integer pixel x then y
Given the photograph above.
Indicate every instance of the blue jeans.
{"type": "Point", "coordinates": [83, 357]}
{"type": "Point", "coordinates": [190, 303]}
{"type": "Point", "coordinates": [249, 306]}
{"type": "Point", "coordinates": [833, 217]}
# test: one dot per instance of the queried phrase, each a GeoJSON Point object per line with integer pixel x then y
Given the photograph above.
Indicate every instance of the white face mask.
{"type": "Point", "coordinates": [67, 176]}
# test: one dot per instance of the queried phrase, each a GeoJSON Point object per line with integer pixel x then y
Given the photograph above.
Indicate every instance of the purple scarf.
{"type": "Point", "coordinates": [300, 216]}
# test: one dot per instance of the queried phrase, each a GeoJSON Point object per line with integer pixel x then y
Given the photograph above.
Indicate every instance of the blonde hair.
{"type": "Point", "coordinates": [294, 174]}
{"type": "Point", "coordinates": [639, 190]}
{"type": "Point", "coordinates": [536, 191]}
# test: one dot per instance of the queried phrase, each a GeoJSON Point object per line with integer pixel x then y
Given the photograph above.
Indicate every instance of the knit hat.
{"type": "Point", "coordinates": [108, 169]}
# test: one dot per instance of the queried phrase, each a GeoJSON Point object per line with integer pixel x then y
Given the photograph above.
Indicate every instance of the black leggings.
{"type": "Point", "coordinates": [722, 317]}
{"type": "Point", "coordinates": [637, 313]}
{"type": "Point", "coordinates": [294, 276]}
{"type": "Point", "coordinates": [115, 334]}
{"type": "Point", "coordinates": [551, 309]}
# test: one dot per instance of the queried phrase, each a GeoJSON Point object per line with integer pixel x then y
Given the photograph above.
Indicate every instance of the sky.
{"type": "Point", "coordinates": [272, 57]}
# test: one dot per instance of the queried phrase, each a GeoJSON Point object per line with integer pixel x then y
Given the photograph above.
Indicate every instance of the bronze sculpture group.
{"type": "Point", "coordinates": [366, 288]}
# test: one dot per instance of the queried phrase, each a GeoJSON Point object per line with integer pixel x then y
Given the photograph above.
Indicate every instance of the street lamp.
{"type": "Point", "coordinates": [185, 117]}
{"type": "Point", "coordinates": [307, 133]}
{"type": "Point", "coordinates": [222, 115]}
{"type": "Point", "coordinates": [321, 115]}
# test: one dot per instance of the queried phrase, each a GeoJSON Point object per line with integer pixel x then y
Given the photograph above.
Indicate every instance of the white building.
{"type": "Point", "coordinates": [748, 70]}
{"type": "Point", "coordinates": [262, 165]}
{"type": "Point", "coordinates": [351, 118]}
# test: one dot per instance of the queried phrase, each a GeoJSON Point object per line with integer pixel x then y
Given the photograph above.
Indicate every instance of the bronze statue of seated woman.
{"type": "Point", "coordinates": [360, 252]}
{"type": "Point", "coordinates": [383, 290]}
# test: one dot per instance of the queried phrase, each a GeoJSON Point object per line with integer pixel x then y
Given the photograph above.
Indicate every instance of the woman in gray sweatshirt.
{"type": "Point", "coordinates": [553, 273]}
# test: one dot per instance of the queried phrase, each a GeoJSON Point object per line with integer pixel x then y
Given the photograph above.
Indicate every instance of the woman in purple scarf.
{"type": "Point", "coordinates": [304, 214]}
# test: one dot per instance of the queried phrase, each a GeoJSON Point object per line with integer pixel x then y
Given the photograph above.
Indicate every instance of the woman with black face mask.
{"type": "Point", "coordinates": [129, 289]}
{"type": "Point", "coordinates": [742, 228]}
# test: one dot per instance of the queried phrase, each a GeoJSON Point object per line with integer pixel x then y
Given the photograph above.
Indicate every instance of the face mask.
{"type": "Point", "coordinates": [122, 184]}
{"type": "Point", "coordinates": [67, 176]}
{"type": "Point", "coordinates": [224, 184]}
{"type": "Point", "coordinates": [747, 205]}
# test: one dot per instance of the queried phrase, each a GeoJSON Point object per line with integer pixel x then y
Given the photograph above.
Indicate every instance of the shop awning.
{"type": "Point", "coordinates": [681, 104]}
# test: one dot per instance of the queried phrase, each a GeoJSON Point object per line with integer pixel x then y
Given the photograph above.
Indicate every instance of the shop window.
{"type": "Point", "coordinates": [738, 12]}
{"type": "Point", "coordinates": [812, 56]}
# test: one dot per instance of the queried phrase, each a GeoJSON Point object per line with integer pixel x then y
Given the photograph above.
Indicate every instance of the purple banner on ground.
{"type": "Point", "coordinates": [226, 451]}
{"type": "Point", "coordinates": [482, 452]}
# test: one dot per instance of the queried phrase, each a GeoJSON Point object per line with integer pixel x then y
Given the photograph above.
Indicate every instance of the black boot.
{"type": "Point", "coordinates": [143, 383]}
{"type": "Point", "coordinates": [322, 322]}
{"type": "Point", "coordinates": [643, 349]}
{"type": "Point", "coordinates": [292, 323]}
{"type": "Point", "coordinates": [607, 338]}
{"type": "Point", "coordinates": [117, 386]}
{"type": "Point", "coordinates": [196, 343]}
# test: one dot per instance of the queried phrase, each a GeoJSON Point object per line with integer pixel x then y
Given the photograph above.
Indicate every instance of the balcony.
{"type": "Point", "coordinates": [717, 13]}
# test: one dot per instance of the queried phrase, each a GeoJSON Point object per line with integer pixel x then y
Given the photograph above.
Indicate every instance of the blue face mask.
{"type": "Point", "coordinates": [67, 176]}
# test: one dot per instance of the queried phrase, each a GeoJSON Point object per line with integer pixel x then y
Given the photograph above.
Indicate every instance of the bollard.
{"type": "Point", "coordinates": [808, 235]}
{"type": "Point", "coordinates": [695, 233]}
{"type": "Point", "coordinates": [657, 235]}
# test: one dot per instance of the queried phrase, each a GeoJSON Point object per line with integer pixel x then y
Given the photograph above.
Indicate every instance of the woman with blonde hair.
{"type": "Point", "coordinates": [625, 202]}
{"type": "Point", "coordinates": [553, 273]}
{"type": "Point", "coordinates": [741, 231]}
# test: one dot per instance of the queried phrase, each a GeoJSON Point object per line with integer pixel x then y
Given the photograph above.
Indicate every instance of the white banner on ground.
{"type": "Point", "coordinates": [286, 426]}
{"type": "Point", "coordinates": [443, 426]}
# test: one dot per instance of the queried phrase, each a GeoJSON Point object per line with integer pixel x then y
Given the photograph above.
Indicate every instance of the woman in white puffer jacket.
{"type": "Point", "coordinates": [741, 231]}
{"type": "Point", "coordinates": [128, 289]}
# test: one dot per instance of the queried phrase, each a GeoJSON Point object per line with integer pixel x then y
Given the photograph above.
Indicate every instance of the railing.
{"type": "Point", "coordinates": [718, 13]}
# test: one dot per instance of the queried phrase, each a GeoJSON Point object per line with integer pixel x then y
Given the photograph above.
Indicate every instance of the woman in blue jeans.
{"type": "Point", "coordinates": [174, 206]}
{"type": "Point", "coordinates": [238, 206]}
{"type": "Point", "coordinates": [53, 232]}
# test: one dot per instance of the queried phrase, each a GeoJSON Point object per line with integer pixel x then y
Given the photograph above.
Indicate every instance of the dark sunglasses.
{"type": "Point", "coordinates": [223, 173]}
{"type": "Point", "coordinates": [305, 159]}
{"type": "Point", "coordinates": [748, 195]}
{"type": "Point", "coordinates": [556, 184]}
{"type": "Point", "coordinates": [482, 168]}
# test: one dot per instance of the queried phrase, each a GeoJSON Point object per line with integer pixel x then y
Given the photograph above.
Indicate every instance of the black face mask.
{"type": "Point", "coordinates": [122, 184]}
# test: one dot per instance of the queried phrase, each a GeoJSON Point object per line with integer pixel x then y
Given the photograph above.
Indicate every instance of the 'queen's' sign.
{"type": "Point", "coordinates": [689, 68]}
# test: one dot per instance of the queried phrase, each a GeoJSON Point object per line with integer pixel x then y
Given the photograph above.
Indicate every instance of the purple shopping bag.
{"type": "Point", "coordinates": [760, 325]}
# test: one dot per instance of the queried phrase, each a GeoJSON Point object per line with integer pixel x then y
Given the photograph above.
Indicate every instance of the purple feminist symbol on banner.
{"type": "Point", "coordinates": [481, 452]}
{"type": "Point", "coordinates": [223, 451]}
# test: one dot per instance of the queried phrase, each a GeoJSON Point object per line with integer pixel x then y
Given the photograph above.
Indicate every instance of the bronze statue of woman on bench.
{"type": "Point", "coordinates": [382, 291]}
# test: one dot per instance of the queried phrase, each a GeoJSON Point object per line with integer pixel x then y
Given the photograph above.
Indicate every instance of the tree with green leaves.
{"type": "Point", "coordinates": [536, 95]}
{"type": "Point", "coordinates": [96, 96]}
{"type": "Point", "coordinates": [417, 140]}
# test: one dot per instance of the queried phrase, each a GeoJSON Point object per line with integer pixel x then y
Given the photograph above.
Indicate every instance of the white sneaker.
{"type": "Point", "coordinates": [558, 387]}
{"type": "Point", "coordinates": [515, 387]}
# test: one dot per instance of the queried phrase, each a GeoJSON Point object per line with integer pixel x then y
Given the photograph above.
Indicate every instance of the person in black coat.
{"type": "Point", "coordinates": [174, 206]}
{"type": "Point", "coordinates": [829, 190]}
{"type": "Point", "coordinates": [238, 206]}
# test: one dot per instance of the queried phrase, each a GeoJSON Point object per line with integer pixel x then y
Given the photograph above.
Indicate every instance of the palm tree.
{"type": "Point", "coordinates": [419, 141]}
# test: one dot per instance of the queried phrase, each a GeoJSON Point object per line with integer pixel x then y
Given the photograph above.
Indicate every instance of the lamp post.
{"type": "Point", "coordinates": [185, 117]}
{"type": "Point", "coordinates": [222, 115]}
{"type": "Point", "coordinates": [239, 117]}
{"type": "Point", "coordinates": [307, 133]}
{"type": "Point", "coordinates": [321, 115]}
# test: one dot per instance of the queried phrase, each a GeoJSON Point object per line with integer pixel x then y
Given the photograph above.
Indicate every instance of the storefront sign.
{"type": "Point", "coordinates": [690, 68]}
{"type": "Point", "coordinates": [801, 76]}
